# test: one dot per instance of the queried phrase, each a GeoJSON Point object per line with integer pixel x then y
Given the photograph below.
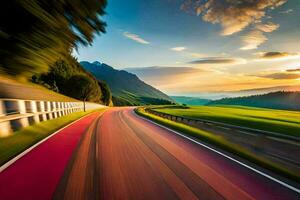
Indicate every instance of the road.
{"type": "Point", "coordinates": [122, 156]}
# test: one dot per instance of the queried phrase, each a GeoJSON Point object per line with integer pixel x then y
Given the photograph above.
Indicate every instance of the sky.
{"type": "Point", "coordinates": [194, 47]}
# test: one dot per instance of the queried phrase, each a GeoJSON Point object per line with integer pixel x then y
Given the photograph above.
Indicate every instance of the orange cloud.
{"type": "Point", "coordinates": [234, 16]}
{"type": "Point", "coordinates": [274, 55]}
{"type": "Point", "coordinates": [219, 60]}
{"type": "Point", "coordinates": [268, 27]}
{"type": "Point", "coordinates": [253, 39]}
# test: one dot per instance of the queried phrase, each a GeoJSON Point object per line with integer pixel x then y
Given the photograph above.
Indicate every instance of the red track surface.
{"type": "Point", "coordinates": [36, 175]}
{"type": "Point", "coordinates": [140, 160]}
{"type": "Point", "coordinates": [125, 157]}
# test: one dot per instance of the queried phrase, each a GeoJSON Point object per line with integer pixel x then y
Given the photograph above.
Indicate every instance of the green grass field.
{"type": "Point", "coordinates": [21, 140]}
{"type": "Point", "coordinates": [280, 121]}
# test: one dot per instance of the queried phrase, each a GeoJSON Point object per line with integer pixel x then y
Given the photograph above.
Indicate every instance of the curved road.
{"type": "Point", "coordinates": [127, 157]}
{"type": "Point", "coordinates": [122, 156]}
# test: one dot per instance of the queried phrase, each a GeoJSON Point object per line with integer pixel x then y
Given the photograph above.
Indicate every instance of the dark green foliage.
{"type": "Point", "coordinates": [36, 33]}
{"type": "Point", "coordinates": [275, 100]}
{"type": "Point", "coordinates": [83, 88]}
{"type": "Point", "coordinates": [106, 93]}
{"type": "Point", "coordinates": [119, 101]}
{"type": "Point", "coordinates": [57, 79]}
{"type": "Point", "coordinates": [127, 88]}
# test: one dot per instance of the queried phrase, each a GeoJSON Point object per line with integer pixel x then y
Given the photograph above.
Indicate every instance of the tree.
{"type": "Point", "coordinates": [106, 93]}
{"type": "Point", "coordinates": [36, 33]}
{"type": "Point", "coordinates": [82, 88]}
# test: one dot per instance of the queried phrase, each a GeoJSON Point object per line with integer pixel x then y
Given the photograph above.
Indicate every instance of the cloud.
{"type": "Point", "coordinates": [281, 76]}
{"type": "Point", "coordinates": [218, 60]}
{"type": "Point", "coordinates": [286, 11]}
{"type": "Point", "coordinates": [233, 16]}
{"type": "Point", "coordinates": [294, 70]}
{"type": "Point", "coordinates": [135, 38]}
{"type": "Point", "coordinates": [198, 55]}
{"type": "Point", "coordinates": [274, 55]}
{"type": "Point", "coordinates": [268, 27]}
{"type": "Point", "coordinates": [159, 71]}
{"type": "Point", "coordinates": [163, 76]}
{"type": "Point", "coordinates": [253, 39]}
{"type": "Point", "coordinates": [178, 48]}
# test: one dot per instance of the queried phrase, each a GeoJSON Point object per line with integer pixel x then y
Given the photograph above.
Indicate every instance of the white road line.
{"type": "Point", "coordinates": [12, 161]}
{"type": "Point", "coordinates": [222, 127]}
{"type": "Point", "coordinates": [226, 156]}
{"type": "Point", "coordinates": [247, 133]}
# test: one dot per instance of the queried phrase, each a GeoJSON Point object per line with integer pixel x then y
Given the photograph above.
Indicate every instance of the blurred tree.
{"type": "Point", "coordinates": [36, 33]}
{"type": "Point", "coordinates": [106, 93]}
{"type": "Point", "coordinates": [82, 88]}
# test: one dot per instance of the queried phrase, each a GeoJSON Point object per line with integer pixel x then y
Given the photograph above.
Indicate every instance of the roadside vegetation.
{"type": "Point", "coordinates": [221, 143]}
{"type": "Point", "coordinates": [48, 32]}
{"type": "Point", "coordinates": [63, 77]}
{"type": "Point", "coordinates": [21, 140]}
{"type": "Point", "coordinates": [40, 48]}
{"type": "Point", "coordinates": [280, 121]}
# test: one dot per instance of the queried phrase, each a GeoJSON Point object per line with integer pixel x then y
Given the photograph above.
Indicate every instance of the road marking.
{"type": "Point", "coordinates": [226, 156]}
{"type": "Point", "coordinates": [13, 160]}
{"type": "Point", "coordinates": [222, 127]}
{"type": "Point", "coordinates": [247, 133]}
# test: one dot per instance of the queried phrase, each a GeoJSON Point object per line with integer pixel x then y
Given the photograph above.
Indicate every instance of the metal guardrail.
{"type": "Point", "coordinates": [17, 113]}
{"type": "Point", "coordinates": [241, 128]}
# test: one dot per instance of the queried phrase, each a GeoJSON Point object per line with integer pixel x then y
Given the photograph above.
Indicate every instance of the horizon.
{"type": "Point", "coordinates": [260, 50]}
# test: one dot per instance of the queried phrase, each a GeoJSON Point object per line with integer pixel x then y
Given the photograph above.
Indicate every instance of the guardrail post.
{"type": "Point", "coordinates": [69, 107]}
{"type": "Point", "coordinates": [33, 107]}
{"type": "Point", "coordinates": [22, 109]}
{"type": "Point", "coordinates": [63, 112]}
{"type": "Point", "coordinates": [53, 106]}
{"type": "Point", "coordinates": [49, 114]}
{"type": "Point", "coordinates": [5, 129]}
{"type": "Point", "coordinates": [2, 109]}
{"type": "Point", "coordinates": [34, 110]}
{"type": "Point", "coordinates": [58, 108]}
{"type": "Point", "coordinates": [21, 106]}
{"type": "Point", "coordinates": [42, 109]}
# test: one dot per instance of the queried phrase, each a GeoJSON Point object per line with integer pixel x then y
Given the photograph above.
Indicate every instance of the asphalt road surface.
{"type": "Point", "coordinates": [122, 156]}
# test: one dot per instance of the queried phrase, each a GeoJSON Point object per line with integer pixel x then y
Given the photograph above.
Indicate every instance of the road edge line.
{"type": "Point", "coordinates": [20, 155]}
{"type": "Point", "coordinates": [224, 155]}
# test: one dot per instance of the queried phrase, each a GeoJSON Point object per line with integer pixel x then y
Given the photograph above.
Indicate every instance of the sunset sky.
{"type": "Point", "coordinates": [190, 47]}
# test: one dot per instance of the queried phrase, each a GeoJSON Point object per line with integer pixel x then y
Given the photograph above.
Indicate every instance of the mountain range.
{"type": "Point", "coordinates": [126, 88]}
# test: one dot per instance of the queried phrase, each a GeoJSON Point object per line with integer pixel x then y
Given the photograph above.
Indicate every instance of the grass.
{"type": "Point", "coordinates": [20, 90]}
{"type": "Point", "coordinates": [221, 143]}
{"type": "Point", "coordinates": [280, 121]}
{"type": "Point", "coordinates": [21, 140]}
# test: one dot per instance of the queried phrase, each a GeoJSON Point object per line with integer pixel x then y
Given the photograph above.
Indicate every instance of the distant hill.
{"type": "Point", "coordinates": [275, 100]}
{"type": "Point", "coordinates": [193, 101]}
{"type": "Point", "coordinates": [127, 88]}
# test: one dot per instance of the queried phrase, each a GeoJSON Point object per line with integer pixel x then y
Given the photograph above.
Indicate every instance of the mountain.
{"type": "Point", "coordinates": [127, 88]}
{"type": "Point", "coordinates": [275, 100]}
{"type": "Point", "coordinates": [193, 101]}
